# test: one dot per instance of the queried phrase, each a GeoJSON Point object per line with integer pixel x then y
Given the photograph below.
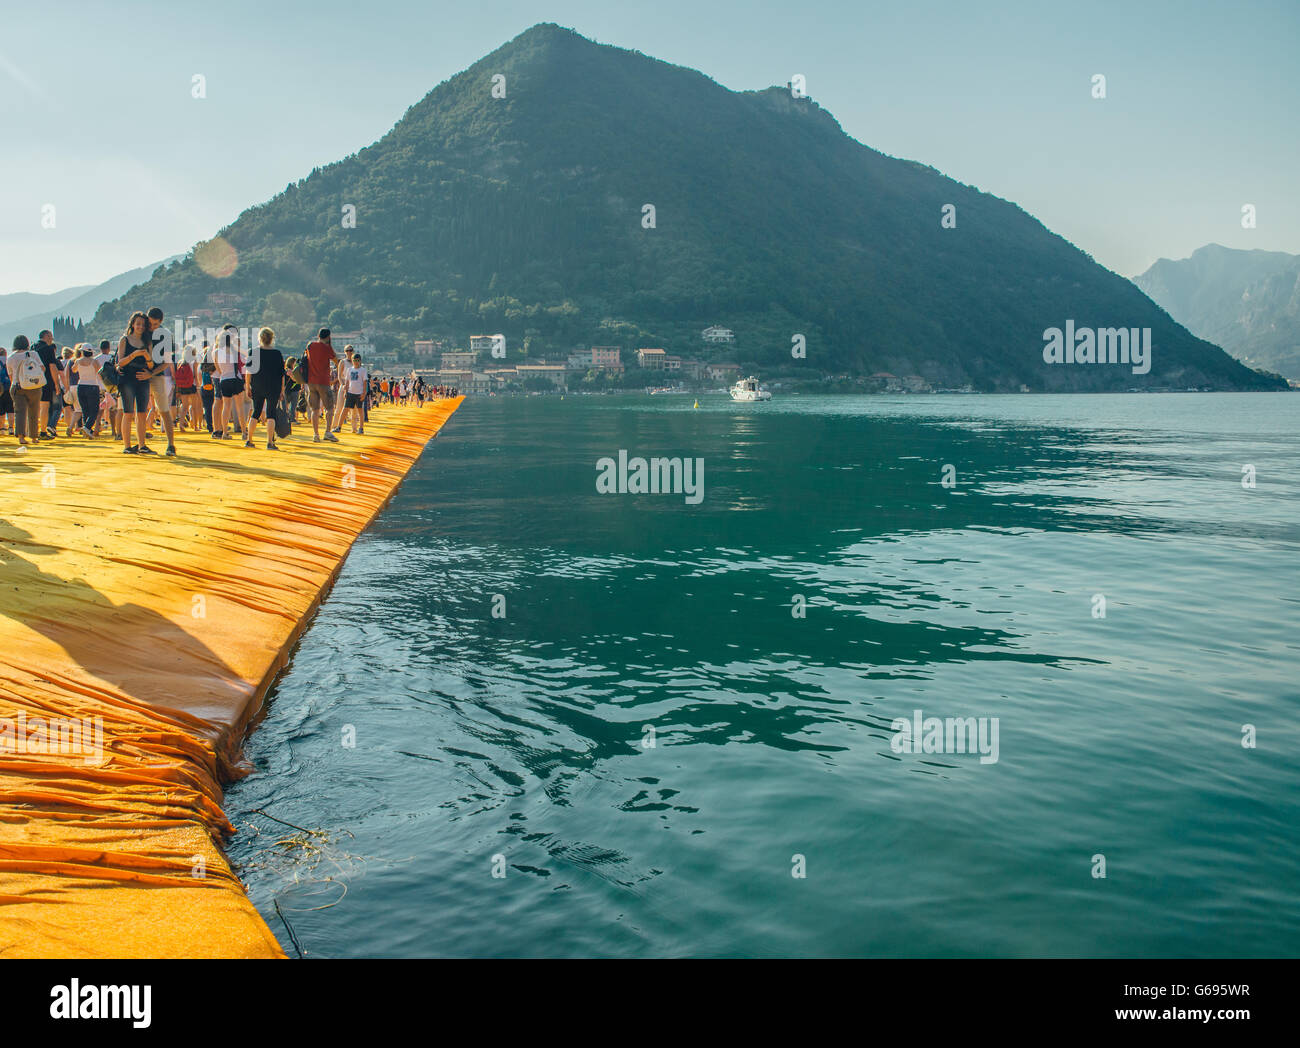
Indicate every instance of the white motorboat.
{"type": "Point", "coordinates": [746, 391]}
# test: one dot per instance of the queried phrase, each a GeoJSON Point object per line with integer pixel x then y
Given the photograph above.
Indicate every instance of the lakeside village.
{"type": "Point", "coordinates": [490, 364]}
{"type": "Point", "coordinates": [485, 367]}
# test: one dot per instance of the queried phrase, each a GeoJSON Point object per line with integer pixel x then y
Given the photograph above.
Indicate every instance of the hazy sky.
{"type": "Point", "coordinates": [97, 117]}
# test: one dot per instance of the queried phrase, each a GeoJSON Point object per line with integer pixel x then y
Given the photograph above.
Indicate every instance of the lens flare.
{"type": "Point", "coordinates": [216, 257]}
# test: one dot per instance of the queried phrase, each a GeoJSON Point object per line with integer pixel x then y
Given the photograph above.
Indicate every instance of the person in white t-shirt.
{"type": "Point", "coordinates": [356, 376]}
{"type": "Point", "coordinates": [228, 355]}
{"type": "Point", "coordinates": [108, 403]}
{"type": "Point", "coordinates": [162, 380]}
{"type": "Point", "coordinates": [89, 388]}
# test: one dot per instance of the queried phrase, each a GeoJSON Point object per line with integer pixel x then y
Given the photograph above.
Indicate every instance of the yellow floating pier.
{"type": "Point", "coordinates": [155, 600]}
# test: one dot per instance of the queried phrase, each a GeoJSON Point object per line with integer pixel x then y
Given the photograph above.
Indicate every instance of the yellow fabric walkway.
{"type": "Point", "coordinates": [161, 596]}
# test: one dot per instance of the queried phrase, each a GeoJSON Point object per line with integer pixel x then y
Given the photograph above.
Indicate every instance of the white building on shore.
{"type": "Point", "coordinates": [718, 334]}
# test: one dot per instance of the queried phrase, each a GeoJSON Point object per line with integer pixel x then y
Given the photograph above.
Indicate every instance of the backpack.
{"type": "Point", "coordinates": [30, 373]}
{"type": "Point", "coordinates": [108, 374]}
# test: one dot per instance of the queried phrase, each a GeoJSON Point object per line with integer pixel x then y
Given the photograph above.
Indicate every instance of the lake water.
{"type": "Point", "coordinates": [432, 744]}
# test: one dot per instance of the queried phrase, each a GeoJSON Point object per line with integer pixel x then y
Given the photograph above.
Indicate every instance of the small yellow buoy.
{"type": "Point", "coordinates": [697, 403]}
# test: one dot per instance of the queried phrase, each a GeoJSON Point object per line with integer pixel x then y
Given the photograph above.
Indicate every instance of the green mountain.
{"type": "Point", "coordinates": [523, 215]}
{"type": "Point", "coordinates": [1248, 302]}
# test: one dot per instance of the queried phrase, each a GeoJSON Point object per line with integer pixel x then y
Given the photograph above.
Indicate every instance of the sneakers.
{"type": "Point", "coordinates": [248, 444]}
{"type": "Point", "coordinates": [132, 450]}
{"type": "Point", "coordinates": [171, 450]}
{"type": "Point", "coordinates": [146, 450]}
{"type": "Point", "coordinates": [331, 438]}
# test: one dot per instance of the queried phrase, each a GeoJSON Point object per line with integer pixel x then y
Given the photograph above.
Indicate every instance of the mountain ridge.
{"type": "Point", "coordinates": [80, 303]}
{"type": "Point", "coordinates": [1246, 300]}
{"type": "Point", "coordinates": [18, 303]}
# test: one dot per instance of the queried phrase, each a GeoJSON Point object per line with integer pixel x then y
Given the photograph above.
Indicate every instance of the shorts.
{"type": "Point", "coordinates": [47, 393]}
{"type": "Point", "coordinates": [188, 391]}
{"type": "Point", "coordinates": [231, 387]}
{"type": "Point", "coordinates": [320, 393]}
{"type": "Point", "coordinates": [161, 388]}
{"type": "Point", "coordinates": [265, 394]}
{"type": "Point", "coordinates": [6, 403]}
{"type": "Point", "coordinates": [134, 392]}
{"type": "Point", "coordinates": [353, 401]}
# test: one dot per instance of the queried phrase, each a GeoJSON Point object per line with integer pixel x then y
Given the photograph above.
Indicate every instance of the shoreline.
{"type": "Point", "coordinates": [160, 599]}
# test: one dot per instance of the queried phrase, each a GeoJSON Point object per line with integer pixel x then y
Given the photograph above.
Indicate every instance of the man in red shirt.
{"type": "Point", "coordinates": [320, 383]}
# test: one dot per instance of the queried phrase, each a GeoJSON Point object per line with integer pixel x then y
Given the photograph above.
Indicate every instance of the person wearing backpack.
{"type": "Point", "coordinates": [53, 382]}
{"type": "Point", "coordinates": [207, 382]}
{"type": "Point", "coordinates": [187, 388]}
{"type": "Point", "coordinates": [27, 382]}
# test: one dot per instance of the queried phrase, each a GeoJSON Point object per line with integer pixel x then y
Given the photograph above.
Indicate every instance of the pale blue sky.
{"type": "Point", "coordinates": [97, 116]}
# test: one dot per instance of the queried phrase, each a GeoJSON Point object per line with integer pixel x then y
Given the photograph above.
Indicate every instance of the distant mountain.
{"type": "Point", "coordinates": [24, 303]}
{"type": "Point", "coordinates": [1248, 302]}
{"type": "Point", "coordinates": [523, 215]}
{"type": "Point", "coordinates": [81, 303]}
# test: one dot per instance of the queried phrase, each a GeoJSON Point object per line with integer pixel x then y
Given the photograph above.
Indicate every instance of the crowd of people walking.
{"type": "Point", "coordinates": [226, 390]}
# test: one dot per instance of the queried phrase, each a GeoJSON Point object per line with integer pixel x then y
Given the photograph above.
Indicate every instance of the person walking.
{"type": "Point", "coordinates": [358, 378]}
{"type": "Point", "coordinates": [320, 381]}
{"type": "Point", "coordinates": [226, 356]}
{"type": "Point", "coordinates": [292, 389]}
{"type": "Point", "coordinates": [90, 390]}
{"type": "Point", "coordinates": [267, 383]}
{"type": "Point", "coordinates": [6, 397]}
{"type": "Point", "coordinates": [187, 389]}
{"type": "Point", "coordinates": [108, 408]}
{"type": "Point", "coordinates": [341, 387]}
{"type": "Point", "coordinates": [48, 353]}
{"type": "Point", "coordinates": [27, 376]}
{"type": "Point", "coordinates": [67, 403]}
{"type": "Point", "coordinates": [208, 385]}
